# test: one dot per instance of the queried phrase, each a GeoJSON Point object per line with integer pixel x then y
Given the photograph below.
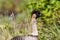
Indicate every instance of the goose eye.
{"type": "Point", "coordinates": [40, 14]}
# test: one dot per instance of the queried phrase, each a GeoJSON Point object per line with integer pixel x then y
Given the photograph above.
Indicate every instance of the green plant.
{"type": "Point", "coordinates": [48, 25]}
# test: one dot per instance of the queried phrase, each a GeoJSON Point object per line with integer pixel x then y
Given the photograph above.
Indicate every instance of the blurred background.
{"type": "Point", "coordinates": [15, 16]}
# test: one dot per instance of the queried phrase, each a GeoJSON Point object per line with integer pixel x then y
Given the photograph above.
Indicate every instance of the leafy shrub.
{"type": "Point", "coordinates": [48, 25]}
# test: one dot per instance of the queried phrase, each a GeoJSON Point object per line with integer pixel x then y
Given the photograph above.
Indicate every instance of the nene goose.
{"type": "Point", "coordinates": [34, 34]}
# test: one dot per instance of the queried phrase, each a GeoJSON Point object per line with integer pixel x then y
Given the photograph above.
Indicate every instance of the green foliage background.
{"type": "Point", "coordinates": [48, 24]}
